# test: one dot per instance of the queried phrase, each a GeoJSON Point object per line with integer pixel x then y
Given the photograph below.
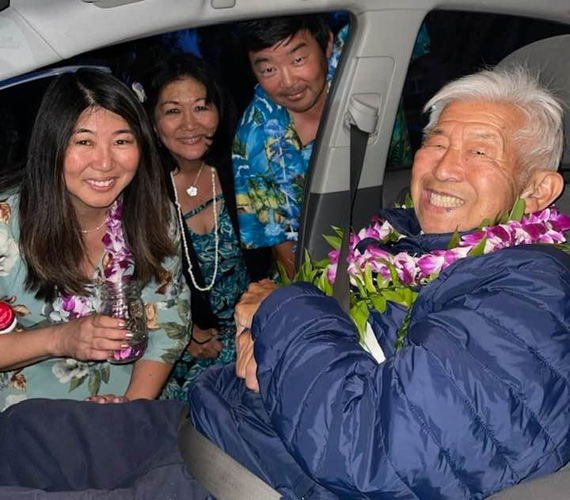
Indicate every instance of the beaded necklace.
{"type": "Point", "coordinates": [216, 236]}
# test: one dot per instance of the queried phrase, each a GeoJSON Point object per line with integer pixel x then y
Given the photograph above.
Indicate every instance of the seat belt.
{"type": "Point", "coordinates": [217, 472]}
{"type": "Point", "coordinates": [363, 113]}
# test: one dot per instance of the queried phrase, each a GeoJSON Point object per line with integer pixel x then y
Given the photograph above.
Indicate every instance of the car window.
{"type": "Point", "coordinates": [456, 44]}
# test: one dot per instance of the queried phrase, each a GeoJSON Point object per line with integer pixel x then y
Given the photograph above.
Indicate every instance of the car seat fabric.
{"type": "Point", "coordinates": [550, 60]}
{"type": "Point", "coordinates": [551, 487]}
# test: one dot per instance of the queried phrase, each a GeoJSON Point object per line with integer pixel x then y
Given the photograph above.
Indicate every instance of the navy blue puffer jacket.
{"type": "Point", "coordinates": [477, 400]}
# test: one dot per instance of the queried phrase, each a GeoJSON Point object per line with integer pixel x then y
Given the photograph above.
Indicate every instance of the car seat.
{"type": "Point", "coordinates": [550, 59]}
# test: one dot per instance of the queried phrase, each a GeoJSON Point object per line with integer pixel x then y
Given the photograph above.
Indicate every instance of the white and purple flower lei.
{"type": "Point", "coordinates": [545, 226]}
{"type": "Point", "coordinates": [377, 276]}
{"type": "Point", "coordinates": [118, 265]}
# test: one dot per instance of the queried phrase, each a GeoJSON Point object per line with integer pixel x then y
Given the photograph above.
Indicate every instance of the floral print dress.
{"type": "Point", "coordinates": [231, 282]}
{"type": "Point", "coordinates": [167, 308]}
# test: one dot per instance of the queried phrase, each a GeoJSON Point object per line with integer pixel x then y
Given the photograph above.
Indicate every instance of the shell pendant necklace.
{"type": "Point", "coordinates": [192, 189]}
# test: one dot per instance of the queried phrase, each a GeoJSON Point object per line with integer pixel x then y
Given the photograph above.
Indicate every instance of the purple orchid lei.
{"type": "Point", "coordinates": [118, 266]}
{"type": "Point", "coordinates": [377, 276]}
{"type": "Point", "coordinates": [545, 226]}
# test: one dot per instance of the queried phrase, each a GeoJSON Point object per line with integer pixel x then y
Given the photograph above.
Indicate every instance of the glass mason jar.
{"type": "Point", "coordinates": [123, 300]}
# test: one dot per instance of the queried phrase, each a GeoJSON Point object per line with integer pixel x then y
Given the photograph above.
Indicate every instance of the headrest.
{"type": "Point", "coordinates": [550, 58]}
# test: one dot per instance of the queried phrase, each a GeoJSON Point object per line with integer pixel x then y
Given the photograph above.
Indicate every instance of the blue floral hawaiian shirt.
{"type": "Point", "coordinates": [269, 167]}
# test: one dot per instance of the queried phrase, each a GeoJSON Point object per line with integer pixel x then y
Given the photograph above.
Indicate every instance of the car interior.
{"type": "Point", "coordinates": [377, 76]}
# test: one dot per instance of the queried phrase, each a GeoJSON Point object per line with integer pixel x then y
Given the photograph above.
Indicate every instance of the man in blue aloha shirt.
{"type": "Point", "coordinates": [294, 60]}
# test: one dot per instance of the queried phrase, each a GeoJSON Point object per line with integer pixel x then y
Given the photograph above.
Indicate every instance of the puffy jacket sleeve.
{"type": "Point", "coordinates": [475, 401]}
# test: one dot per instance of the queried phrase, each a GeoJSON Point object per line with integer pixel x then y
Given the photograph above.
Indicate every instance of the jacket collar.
{"type": "Point", "coordinates": [415, 242]}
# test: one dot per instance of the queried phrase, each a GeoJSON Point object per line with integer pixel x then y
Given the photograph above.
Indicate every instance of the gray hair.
{"type": "Point", "coordinates": [544, 129]}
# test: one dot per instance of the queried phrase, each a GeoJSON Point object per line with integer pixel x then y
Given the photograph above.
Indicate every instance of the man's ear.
{"type": "Point", "coordinates": [330, 44]}
{"type": "Point", "coordinates": [542, 188]}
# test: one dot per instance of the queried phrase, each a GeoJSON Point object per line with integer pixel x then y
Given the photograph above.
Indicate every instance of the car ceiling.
{"type": "Point", "coordinates": [36, 33]}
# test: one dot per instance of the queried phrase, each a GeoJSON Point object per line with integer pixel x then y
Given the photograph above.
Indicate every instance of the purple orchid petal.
{"type": "Point", "coordinates": [331, 272]}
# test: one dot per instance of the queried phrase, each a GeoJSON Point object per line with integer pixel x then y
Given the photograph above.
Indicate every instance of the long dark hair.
{"type": "Point", "coordinates": [178, 67]}
{"type": "Point", "coordinates": [50, 237]}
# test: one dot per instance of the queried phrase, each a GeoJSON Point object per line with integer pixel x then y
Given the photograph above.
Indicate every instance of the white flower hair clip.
{"type": "Point", "coordinates": [138, 89]}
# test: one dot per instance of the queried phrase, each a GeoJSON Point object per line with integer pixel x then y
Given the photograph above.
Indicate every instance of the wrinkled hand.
{"type": "Point", "coordinates": [246, 366]}
{"type": "Point", "coordinates": [92, 338]}
{"type": "Point", "coordinates": [250, 302]}
{"type": "Point", "coordinates": [107, 399]}
{"type": "Point", "coordinates": [204, 343]}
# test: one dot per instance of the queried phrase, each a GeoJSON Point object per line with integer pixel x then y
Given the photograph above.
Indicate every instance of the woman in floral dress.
{"type": "Point", "coordinates": [193, 121]}
{"type": "Point", "coordinates": [78, 216]}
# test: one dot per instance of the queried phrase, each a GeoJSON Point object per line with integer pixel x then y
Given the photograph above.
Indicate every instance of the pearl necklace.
{"type": "Point", "coordinates": [216, 237]}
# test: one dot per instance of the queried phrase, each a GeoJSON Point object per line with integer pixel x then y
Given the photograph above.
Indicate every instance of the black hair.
{"type": "Point", "coordinates": [259, 34]}
{"type": "Point", "coordinates": [47, 216]}
{"type": "Point", "coordinates": [177, 67]}
{"type": "Point", "coordinates": [180, 66]}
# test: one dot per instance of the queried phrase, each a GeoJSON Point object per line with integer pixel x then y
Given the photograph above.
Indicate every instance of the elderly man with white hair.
{"type": "Point", "coordinates": [467, 296]}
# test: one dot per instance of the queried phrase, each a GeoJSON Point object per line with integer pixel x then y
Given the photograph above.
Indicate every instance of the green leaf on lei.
{"type": "Point", "coordinates": [379, 302]}
{"type": "Point", "coordinates": [307, 273]}
{"type": "Point", "coordinates": [565, 247]}
{"type": "Point", "coordinates": [454, 241]}
{"type": "Point", "coordinates": [409, 296]}
{"type": "Point", "coordinates": [368, 280]}
{"type": "Point", "coordinates": [361, 289]}
{"type": "Point", "coordinates": [338, 231]}
{"type": "Point", "coordinates": [359, 314]}
{"type": "Point", "coordinates": [517, 211]}
{"type": "Point", "coordinates": [393, 273]}
{"type": "Point", "coordinates": [486, 222]}
{"type": "Point", "coordinates": [324, 284]}
{"type": "Point", "coordinates": [321, 264]}
{"type": "Point", "coordinates": [398, 295]}
{"type": "Point", "coordinates": [333, 241]}
{"type": "Point", "coordinates": [283, 276]}
{"type": "Point", "coordinates": [479, 249]}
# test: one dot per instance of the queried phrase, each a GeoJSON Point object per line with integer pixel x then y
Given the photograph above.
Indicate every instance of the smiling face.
{"type": "Point", "coordinates": [467, 168]}
{"type": "Point", "coordinates": [185, 122]}
{"type": "Point", "coordinates": [101, 159]}
{"type": "Point", "coordinates": [293, 72]}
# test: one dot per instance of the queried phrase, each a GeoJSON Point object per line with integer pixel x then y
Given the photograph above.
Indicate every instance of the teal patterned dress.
{"type": "Point", "coordinates": [231, 282]}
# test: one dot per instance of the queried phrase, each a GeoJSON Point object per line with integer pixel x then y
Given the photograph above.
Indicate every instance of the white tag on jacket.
{"type": "Point", "coordinates": [371, 345]}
